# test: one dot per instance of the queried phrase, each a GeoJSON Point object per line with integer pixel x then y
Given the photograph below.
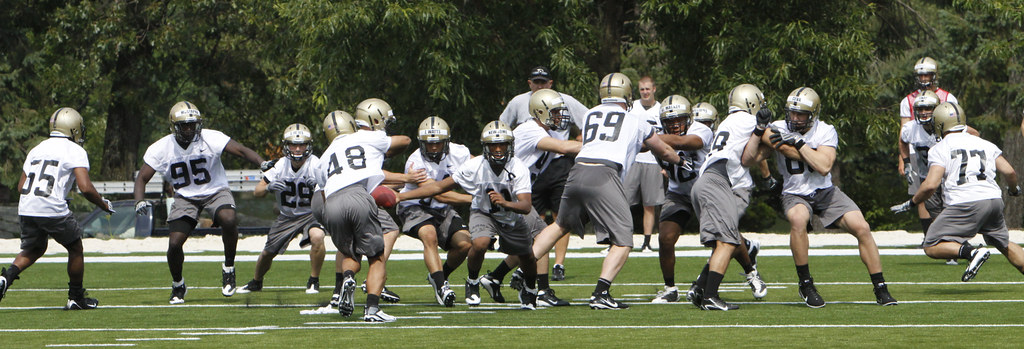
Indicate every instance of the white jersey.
{"type": "Point", "coordinates": [517, 110]}
{"type": "Point", "coordinates": [919, 142]}
{"type": "Point", "coordinates": [682, 176]}
{"type": "Point", "coordinates": [527, 136]}
{"type": "Point", "coordinates": [194, 172]}
{"type": "Point", "coordinates": [730, 139]}
{"type": "Point", "coordinates": [477, 178]}
{"type": "Point", "coordinates": [797, 177]}
{"type": "Point", "coordinates": [906, 105]}
{"type": "Point", "coordinates": [354, 158]}
{"type": "Point", "coordinates": [49, 171]}
{"type": "Point", "coordinates": [653, 116]}
{"type": "Point", "coordinates": [970, 164]}
{"type": "Point", "coordinates": [612, 134]}
{"type": "Point", "coordinates": [295, 200]}
{"type": "Point", "coordinates": [457, 155]}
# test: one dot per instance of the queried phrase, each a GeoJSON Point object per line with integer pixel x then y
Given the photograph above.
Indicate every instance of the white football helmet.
{"type": "Point", "coordinates": [67, 122]}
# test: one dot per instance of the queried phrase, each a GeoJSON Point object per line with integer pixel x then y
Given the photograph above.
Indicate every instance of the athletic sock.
{"type": "Point", "coordinates": [473, 274]}
{"type": "Point", "coordinates": [602, 286]}
{"type": "Point", "coordinates": [531, 283]}
{"type": "Point", "coordinates": [702, 278]}
{"type": "Point", "coordinates": [178, 283]}
{"type": "Point", "coordinates": [543, 282]}
{"type": "Point", "coordinates": [966, 251]}
{"type": "Point", "coordinates": [647, 241]}
{"type": "Point", "coordinates": [438, 278]}
{"type": "Point", "coordinates": [500, 272]}
{"type": "Point", "coordinates": [447, 270]}
{"type": "Point", "coordinates": [372, 300]}
{"type": "Point", "coordinates": [338, 279]}
{"type": "Point", "coordinates": [877, 279]}
{"type": "Point", "coordinates": [12, 273]}
{"type": "Point", "coordinates": [803, 272]}
{"type": "Point", "coordinates": [714, 280]}
{"type": "Point", "coordinates": [670, 282]}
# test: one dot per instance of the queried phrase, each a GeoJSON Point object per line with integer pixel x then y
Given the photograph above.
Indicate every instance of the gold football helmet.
{"type": "Point", "coordinates": [675, 115]}
{"type": "Point", "coordinates": [374, 113]}
{"type": "Point", "coordinates": [616, 88]}
{"type": "Point", "coordinates": [924, 107]}
{"type": "Point", "coordinates": [67, 122]}
{"type": "Point", "coordinates": [186, 122]}
{"type": "Point", "coordinates": [705, 113]}
{"type": "Point", "coordinates": [498, 141]}
{"type": "Point", "coordinates": [548, 106]}
{"type": "Point", "coordinates": [297, 134]}
{"type": "Point", "coordinates": [338, 123]}
{"type": "Point", "coordinates": [433, 129]}
{"type": "Point", "coordinates": [949, 117]}
{"type": "Point", "coordinates": [926, 66]}
{"type": "Point", "coordinates": [746, 97]}
{"type": "Point", "coordinates": [802, 100]}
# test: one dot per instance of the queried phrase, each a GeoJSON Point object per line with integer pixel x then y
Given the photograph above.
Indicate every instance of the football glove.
{"type": "Point", "coordinates": [791, 138]}
{"type": "Point", "coordinates": [267, 165]}
{"type": "Point", "coordinates": [277, 186]}
{"type": "Point", "coordinates": [903, 207]}
{"type": "Point", "coordinates": [764, 118]}
{"type": "Point", "coordinates": [109, 207]}
{"type": "Point", "coordinates": [1013, 191]}
{"type": "Point", "coordinates": [771, 183]}
{"type": "Point", "coordinates": [142, 207]}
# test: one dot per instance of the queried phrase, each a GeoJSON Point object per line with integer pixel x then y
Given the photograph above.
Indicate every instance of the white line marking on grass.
{"type": "Point", "coordinates": [90, 345]}
{"type": "Point", "coordinates": [217, 333]}
{"type": "Point", "coordinates": [455, 312]}
{"type": "Point", "coordinates": [602, 327]}
{"type": "Point", "coordinates": [158, 339]}
{"type": "Point", "coordinates": [419, 317]}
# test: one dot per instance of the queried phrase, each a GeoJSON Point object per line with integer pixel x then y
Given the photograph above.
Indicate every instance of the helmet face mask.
{"type": "Point", "coordinates": [296, 142]}
{"type": "Point", "coordinates": [676, 115]}
{"type": "Point", "coordinates": [186, 122]}
{"type": "Point", "coordinates": [802, 108]}
{"type": "Point", "coordinates": [67, 122]}
{"type": "Point", "coordinates": [924, 107]}
{"type": "Point", "coordinates": [434, 136]}
{"type": "Point", "coordinates": [549, 108]}
{"type": "Point", "coordinates": [497, 140]}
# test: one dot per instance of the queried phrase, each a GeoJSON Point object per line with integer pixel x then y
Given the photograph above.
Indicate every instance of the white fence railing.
{"type": "Point", "coordinates": [238, 180]}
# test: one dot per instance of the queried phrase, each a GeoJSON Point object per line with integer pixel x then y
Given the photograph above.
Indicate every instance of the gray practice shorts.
{"type": "Point", "coordinates": [446, 222]}
{"type": "Point", "coordinates": [515, 240]}
{"type": "Point", "coordinates": [719, 207]}
{"type": "Point", "coordinates": [829, 204]}
{"type": "Point", "coordinates": [934, 204]}
{"type": "Point", "coordinates": [350, 216]}
{"type": "Point", "coordinates": [677, 209]}
{"type": "Point", "coordinates": [189, 207]}
{"type": "Point", "coordinates": [285, 229]}
{"type": "Point", "coordinates": [645, 185]}
{"type": "Point", "coordinates": [387, 224]}
{"type": "Point", "coordinates": [959, 223]}
{"type": "Point", "coordinates": [595, 192]}
{"type": "Point", "coordinates": [35, 231]}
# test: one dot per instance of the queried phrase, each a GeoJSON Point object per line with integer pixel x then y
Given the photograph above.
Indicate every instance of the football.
{"type": "Point", "coordinates": [384, 197]}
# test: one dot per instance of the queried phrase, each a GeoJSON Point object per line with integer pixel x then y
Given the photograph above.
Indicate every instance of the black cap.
{"type": "Point", "coordinates": [540, 72]}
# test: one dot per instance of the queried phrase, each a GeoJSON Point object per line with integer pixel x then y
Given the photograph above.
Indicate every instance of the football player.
{"type": "Point", "coordinates": [692, 140]}
{"type": "Point", "coordinates": [965, 166]}
{"type": "Point", "coordinates": [189, 158]}
{"type": "Point", "coordinates": [926, 78]}
{"type": "Point", "coordinates": [50, 170]}
{"type": "Point", "coordinates": [293, 180]}
{"type": "Point", "coordinates": [350, 168]}
{"type": "Point", "coordinates": [807, 147]}
{"type": "Point", "coordinates": [611, 139]}
{"type": "Point", "coordinates": [644, 183]}
{"type": "Point", "coordinates": [500, 186]}
{"type": "Point", "coordinates": [432, 220]}
{"type": "Point", "coordinates": [549, 185]}
{"type": "Point", "coordinates": [722, 190]}
{"type": "Point", "coordinates": [537, 141]}
{"type": "Point", "coordinates": [916, 138]}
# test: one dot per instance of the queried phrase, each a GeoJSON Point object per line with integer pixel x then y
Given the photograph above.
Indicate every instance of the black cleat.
{"type": "Point", "coordinates": [517, 283]}
{"type": "Point", "coordinates": [715, 303]}
{"type": "Point", "coordinates": [604, 300]}
{"type": "Point", "coordinates": [178, 294]}
{"type": "Point", "coordinates": [695, 295]}
{"type": "Point", "coordinates": [547, 298]}
{"type": "Point", "coordinates": [347, 304]}
{"type": "Point", "coordinates": [312, 285]}
{"type": "Point", "coordinates": [978, 258]}
{"type": "Point", "coordinates": [493, 288]}
{"type": "Point", "coordinates": [810, 295]}
{"type": "Point", "coordinates": [228, 281]}
{"type": "Point", "coordinates": [252, 286]}
{"type": "Point", "coordinates": [472, 292]}
{"type": "Point", "coordinates": [882, 295]}
{"type": "Point", "coordinates": [558, 272]}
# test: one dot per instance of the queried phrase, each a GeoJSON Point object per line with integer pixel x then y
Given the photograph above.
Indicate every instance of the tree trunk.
{"type": "Point", "coordinates": [124, 120]}
{"type": "Point", "coordinates": [612, 16]}
{"type": "Point", "coordinates": [1013, 150]}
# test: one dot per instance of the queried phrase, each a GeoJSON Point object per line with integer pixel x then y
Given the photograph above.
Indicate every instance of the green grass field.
{"type": "Point", "coordinates": [936, 309]}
